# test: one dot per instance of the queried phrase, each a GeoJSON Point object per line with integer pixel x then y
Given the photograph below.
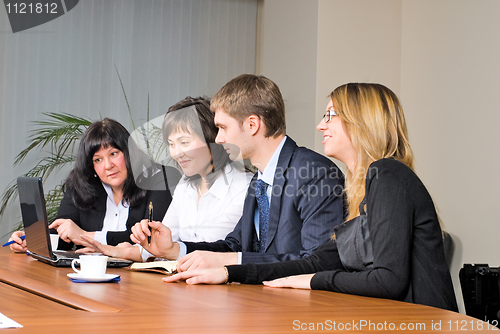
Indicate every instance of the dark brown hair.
{"type": "Point", "coordinates": [82, 180]}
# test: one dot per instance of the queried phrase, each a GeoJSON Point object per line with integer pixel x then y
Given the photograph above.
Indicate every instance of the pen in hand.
{"type": "Point", "coordinates": [12, 241]}
{"type": "Point", "coordinates": [150, 218]}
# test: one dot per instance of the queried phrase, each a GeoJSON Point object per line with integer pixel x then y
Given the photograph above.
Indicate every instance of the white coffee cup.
{"type": "Point", "coordinates": [92, 265]}
{"type": "Point", "coordinates": [54, 241]}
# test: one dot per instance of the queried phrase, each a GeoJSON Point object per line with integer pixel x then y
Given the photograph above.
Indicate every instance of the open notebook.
{"type": "Point", "coordinates": [36, 227]}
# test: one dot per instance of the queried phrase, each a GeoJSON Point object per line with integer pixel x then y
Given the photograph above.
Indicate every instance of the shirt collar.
{"type": "Point", "coordinates": [268, 175]}
{"type": "Point", "coordinates": [221, 185]}
{"type": "Point", "coordinates": [109, 191]}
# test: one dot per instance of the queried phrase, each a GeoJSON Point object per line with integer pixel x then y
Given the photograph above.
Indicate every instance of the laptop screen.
{"type": "Point", "coordinates": [34, 215]}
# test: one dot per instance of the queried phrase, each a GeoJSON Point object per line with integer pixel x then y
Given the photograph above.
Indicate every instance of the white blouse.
{"type": "Point", "coordinates": [217, 211]}
{"type": "Point", "coordinates": [214, 216]}
{"type": "Point", "coordinates": [116, 216]}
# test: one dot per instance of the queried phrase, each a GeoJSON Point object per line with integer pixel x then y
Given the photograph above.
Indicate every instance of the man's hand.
{"type": "Point", "coordinates": [19, 246]}
{"type": "Point", "coordinates": [206, 259]}
{"type": "Point", "coordinates": [161, 239]}
{"type": "Point", "coordinates": [296, 282]}
{"type": "Point", "coordinates": [70, 232]}
{"type": "Point", "coordinates": [200, 276]}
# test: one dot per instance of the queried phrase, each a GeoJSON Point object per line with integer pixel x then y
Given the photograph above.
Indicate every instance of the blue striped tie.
{"type": "Point", "coordinates": [263, 205]}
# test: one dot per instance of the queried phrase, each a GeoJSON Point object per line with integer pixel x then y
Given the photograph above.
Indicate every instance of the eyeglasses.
{"type": "Point", "coordinates": [329, 114]}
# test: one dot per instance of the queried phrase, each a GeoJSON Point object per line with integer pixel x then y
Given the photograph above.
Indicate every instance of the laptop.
{"type": "Point", "coordinates": [36, 227]}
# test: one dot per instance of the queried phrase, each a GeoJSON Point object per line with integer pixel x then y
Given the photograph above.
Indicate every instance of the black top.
{"type": "Point", "coordinates": [408, 256]}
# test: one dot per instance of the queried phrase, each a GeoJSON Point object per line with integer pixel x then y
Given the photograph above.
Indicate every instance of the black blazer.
{"type": "Point", "coordinates": [306, 203]}
{"type": "Point", "coordinates": [93, 219]}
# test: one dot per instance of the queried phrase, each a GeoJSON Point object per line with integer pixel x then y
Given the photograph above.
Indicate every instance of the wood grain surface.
{"type": "Point", "coordinates": [43, 299]}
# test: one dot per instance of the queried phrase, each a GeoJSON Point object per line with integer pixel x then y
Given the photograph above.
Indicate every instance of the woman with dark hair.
{"type": "Point", "coordinates": [208, 201]}
{"type": "Point", "coordinates": [192, 116]}
{"type": "Point", "coordinates": [391, 245]}
{"type": "Point", "coordinates": [101, 199]}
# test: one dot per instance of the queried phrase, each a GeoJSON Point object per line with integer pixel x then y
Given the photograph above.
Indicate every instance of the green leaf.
{"type": "Point", "coordinates": [61, 132]}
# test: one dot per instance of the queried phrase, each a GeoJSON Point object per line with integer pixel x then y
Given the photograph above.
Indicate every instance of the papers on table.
{"type": "Point", "coordinates": [8, 323]}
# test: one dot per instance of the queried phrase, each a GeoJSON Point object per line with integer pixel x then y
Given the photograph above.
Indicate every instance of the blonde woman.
{"type": "Point", "coordinates": [391, 244]}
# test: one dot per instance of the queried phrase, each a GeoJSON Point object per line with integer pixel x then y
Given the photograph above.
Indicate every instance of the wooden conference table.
{"type": "Point", "coordinates": [43, 299]}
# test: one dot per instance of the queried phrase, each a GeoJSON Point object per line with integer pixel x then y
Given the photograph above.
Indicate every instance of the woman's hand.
{"type": "Point", "coordinates": [200, 276]}
{"type": "Point", "coordinates": [19, 246]}
{"type": "Point", "coordinates": [161, 239]}
{"type": "Point", "coordinates": [296, 282]}
{"type": "Point", "coordinates": [123, 250]}
{"type": "Point", "coordinates": [69, 232]}
{"type": "Point", "coordinates": [94, 246]}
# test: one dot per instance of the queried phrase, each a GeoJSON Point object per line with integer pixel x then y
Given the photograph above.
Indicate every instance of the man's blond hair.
{"type": "Point", "coordinates": [250, 94]}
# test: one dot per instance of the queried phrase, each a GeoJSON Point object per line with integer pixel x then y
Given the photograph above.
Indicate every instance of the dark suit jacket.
{"type": "Point", "coordinates": [93, 219]}
{"type": "Point", "coordinates": [306, 203]}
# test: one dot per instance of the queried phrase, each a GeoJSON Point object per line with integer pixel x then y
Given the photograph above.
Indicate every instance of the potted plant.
{"type": "Point", "coordinates": [61, 133]}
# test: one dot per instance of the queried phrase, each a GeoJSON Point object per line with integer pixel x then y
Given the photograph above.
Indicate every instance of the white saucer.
{"type": "Point", "coordinates": [105, 278]}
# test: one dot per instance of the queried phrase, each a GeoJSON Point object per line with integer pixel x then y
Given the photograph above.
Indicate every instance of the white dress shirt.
{"type": "Point", "coordinates": [115, 218]}
{"type": "Point", "coordinates": [214, 215]}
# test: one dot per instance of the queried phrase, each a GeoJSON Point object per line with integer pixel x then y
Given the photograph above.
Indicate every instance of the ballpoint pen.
{"type": "Point", "coordinates": [150, 218]}
{"type": "Point", "coordinates": [12, 241]}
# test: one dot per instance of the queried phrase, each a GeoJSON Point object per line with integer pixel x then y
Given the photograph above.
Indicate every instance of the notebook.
{"type": "Point", "coordinates": [36, 227]}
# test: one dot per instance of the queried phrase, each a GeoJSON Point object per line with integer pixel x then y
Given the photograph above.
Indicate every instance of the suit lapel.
{"type": "Point", "coordinates": [277, 193]}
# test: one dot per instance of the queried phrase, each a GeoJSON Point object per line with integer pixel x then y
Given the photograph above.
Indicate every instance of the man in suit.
{"type": "Point", "coordinates": [293, 202]}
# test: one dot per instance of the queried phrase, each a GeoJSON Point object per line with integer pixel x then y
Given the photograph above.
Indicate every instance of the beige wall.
{"type": "Point", "coordinates": [450, 79]}
{"type": "Point", "coordinates": [350, 49]}
{"type": "Point", "coordinates": [289, 42]}
{"type": "Point", "coordinates": [442, 58]}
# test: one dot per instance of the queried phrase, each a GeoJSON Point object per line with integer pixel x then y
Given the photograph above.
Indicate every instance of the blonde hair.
{"type": "Point", "coordinates": [374, 121]}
